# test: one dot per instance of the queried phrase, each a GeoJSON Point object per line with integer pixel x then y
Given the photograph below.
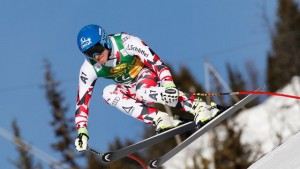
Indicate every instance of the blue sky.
{"type": "Point", "coordinates": [182, 33]}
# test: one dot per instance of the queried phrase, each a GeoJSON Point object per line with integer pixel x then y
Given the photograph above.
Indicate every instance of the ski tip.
{"type": "Point", "coordinates": [106, 157]}
{"type": "Point", "coordinates": [261, 88]}
{"type": "Point", "coordinates": [153, 163]}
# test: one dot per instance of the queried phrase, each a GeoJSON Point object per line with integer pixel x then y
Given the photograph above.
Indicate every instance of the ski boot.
{"type": "Point", "coordinates": [203, 113]}
{"type": "Point", "coordinates": [164, 122]}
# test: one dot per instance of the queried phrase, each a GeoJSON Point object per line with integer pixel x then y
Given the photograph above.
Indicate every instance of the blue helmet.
{"type": "Point", "coordinates": [90, 35]}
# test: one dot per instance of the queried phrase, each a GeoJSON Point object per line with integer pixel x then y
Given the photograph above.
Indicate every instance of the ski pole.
{"type": "Point", "coordinates": [215, 94]}
{"type": "Point", "coordinates": [95, 152]}
{"type": "Point", "coordinates": [247, 92]}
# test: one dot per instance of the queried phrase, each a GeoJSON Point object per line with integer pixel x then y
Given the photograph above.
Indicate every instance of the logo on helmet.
{"type": "Point", "coordinates": [85, 42]}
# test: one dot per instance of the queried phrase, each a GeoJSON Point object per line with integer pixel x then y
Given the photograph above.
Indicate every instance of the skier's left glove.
{"type": "Point", "coordinates": [170, 94]}
{"type": "Point", "coordinates": [81, 142]}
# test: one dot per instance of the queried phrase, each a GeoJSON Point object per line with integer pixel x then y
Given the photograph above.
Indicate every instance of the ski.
{"type": "Point", "coordinates": [115, 155]}
{"type": "Point", "coordinates": [155, 163]}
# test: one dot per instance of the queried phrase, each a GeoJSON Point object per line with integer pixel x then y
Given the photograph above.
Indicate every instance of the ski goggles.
{"type": "Point", "coordinates": [93, 51]}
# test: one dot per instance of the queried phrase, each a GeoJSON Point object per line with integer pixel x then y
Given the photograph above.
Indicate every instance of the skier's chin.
{"type": "Point", "coordinates": [102, 60]}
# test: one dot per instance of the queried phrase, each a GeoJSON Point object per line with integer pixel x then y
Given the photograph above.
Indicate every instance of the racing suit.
{"type": "Point", "coordinates": [139, 75]}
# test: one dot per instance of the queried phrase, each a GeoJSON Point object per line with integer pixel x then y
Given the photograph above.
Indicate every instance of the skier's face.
{"type": "Point", "coordinates": [102, 57]}
{"type": "Point", "coordinates": [97, 53]}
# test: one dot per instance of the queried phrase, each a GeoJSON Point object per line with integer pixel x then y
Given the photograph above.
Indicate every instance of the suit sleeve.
{"type": "Point", "coordinates": [87, 80]}
{"type": "Point", "coordinates": [135, 46]}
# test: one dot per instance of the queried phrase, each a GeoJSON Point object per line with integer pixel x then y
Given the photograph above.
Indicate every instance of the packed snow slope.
{"type": "Point", "coordinates": [265, 127]}
{"type": "Point", "coordinates": [286, 156]}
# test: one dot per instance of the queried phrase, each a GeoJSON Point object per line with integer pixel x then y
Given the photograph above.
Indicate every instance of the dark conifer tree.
{"type": "Point", "coordinates": [229, 151]}
{"type": "Point", "coordinates": [25, 159]}
{"type": "Point", "coordinates": [63, 125]}
{"type": "Point", "coordinates": [284, 57]}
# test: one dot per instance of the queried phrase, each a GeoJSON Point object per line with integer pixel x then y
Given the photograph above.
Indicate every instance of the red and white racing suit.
{"type": "Point", "coordinates": [132, 94]}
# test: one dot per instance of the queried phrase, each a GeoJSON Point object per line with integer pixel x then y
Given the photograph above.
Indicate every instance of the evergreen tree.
{"type": "Point", "coordinates": [185, 81]}
{"type": "Point", "coordinates": [25, 160]}
{"type": "Point", "coordinates": [284, 57]}
{"type": "Point", "coordinates": [237, 83]}
{"type": "Point", "coordinates": [94, 162]}
{"type": "Point", "coordinates": [253, 74]}
{"type": "Point", "coordinates": [229, 151]}
{"type": "Point", "coordinates": [63, 125]}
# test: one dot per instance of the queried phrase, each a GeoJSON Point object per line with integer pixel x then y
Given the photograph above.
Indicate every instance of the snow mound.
{"type": "Point", "coordinates": [270, 123]}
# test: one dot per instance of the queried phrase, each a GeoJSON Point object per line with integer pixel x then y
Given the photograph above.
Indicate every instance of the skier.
{"type": "Point", "coordinates": [141, 79]}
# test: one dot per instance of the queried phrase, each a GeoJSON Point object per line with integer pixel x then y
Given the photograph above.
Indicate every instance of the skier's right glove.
{"type": "Point", "coordinates": [81, 142]}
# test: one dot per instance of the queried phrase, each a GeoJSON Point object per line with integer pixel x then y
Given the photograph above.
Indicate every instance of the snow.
{"type": "Point", "coordinates": [262, 125]}
{"type": "Point", "coordinates": [285, 156]}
